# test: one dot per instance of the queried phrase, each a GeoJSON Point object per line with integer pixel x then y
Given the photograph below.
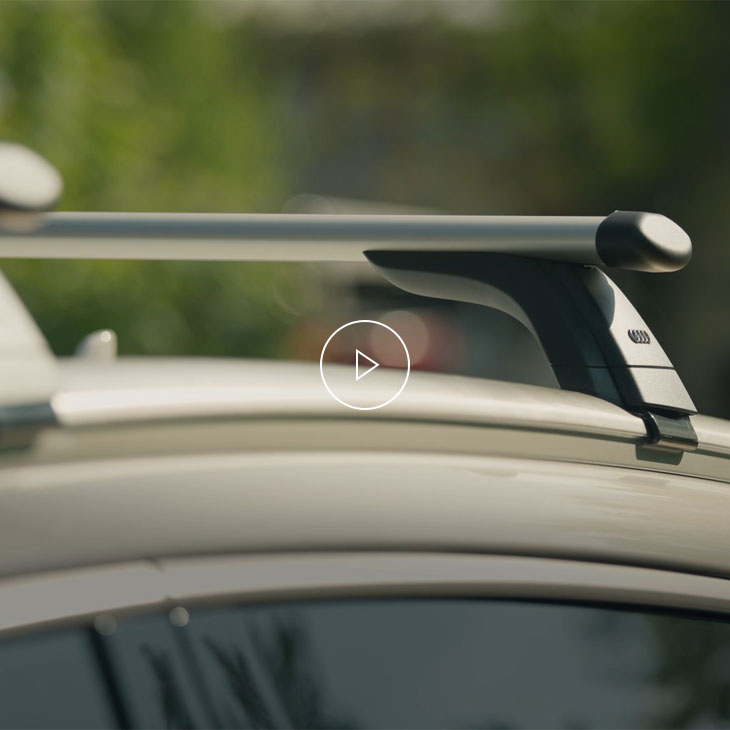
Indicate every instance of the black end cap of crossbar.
{"type": "Point", "coordinates": [642, 242]}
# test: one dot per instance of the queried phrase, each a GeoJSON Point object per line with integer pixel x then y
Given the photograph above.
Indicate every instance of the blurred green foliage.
{"type": "Point", "coordinates": [542, 107]}
{"type": "Point", "coordinates": [144, 107]}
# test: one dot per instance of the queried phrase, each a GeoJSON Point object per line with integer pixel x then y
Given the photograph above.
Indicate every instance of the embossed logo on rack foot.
{"type": "Point", "coordinates": [640, 337]}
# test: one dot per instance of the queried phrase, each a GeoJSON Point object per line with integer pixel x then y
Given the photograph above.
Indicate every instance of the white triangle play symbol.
{"type": "Point", "coordinates": [373, 365]}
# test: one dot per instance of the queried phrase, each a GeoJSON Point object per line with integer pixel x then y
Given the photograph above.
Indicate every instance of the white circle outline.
{"type": "Point", "coordinates": [321, 365]}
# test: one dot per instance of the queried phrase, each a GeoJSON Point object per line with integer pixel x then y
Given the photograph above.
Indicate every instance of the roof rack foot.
{"type": "Point", "coordinates": [595, 340]}
{"type": "Point", "coordinates": [670, 431]}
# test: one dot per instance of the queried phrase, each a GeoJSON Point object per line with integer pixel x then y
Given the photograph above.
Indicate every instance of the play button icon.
{"type": "Point", "coordinates": [359, 372]}
{"type": "Point", "coordinates": [363, 348]}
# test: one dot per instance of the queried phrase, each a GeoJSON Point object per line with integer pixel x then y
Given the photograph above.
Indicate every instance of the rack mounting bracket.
{"type": "Point", "coordinates": [595, 340]}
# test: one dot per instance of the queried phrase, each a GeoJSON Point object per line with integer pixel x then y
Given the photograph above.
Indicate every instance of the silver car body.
{"type": "Point", "coordinates": [181, 480]}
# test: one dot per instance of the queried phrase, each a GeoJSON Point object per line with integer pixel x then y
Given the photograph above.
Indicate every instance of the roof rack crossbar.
{"type": "Point", "coordinates": [541, 270]}
{"type": "Point", "coordinates": [640, 241]}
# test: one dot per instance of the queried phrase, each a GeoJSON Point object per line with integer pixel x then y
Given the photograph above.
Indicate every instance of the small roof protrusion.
{"type": "Point", "coordinates": [28, 182]}
{"type": "Point", "coordinates": [99, 346]}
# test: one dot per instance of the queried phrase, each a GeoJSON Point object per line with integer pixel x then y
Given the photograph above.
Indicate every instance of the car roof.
{"type": "Point", "coordinates": [158, 458]}
{"type": "Point", "coordinates": [102, 511]}
{"type": "Point", "coordinates": [143, 389]}
{"type": "Point", "coordinates": [140, 388]}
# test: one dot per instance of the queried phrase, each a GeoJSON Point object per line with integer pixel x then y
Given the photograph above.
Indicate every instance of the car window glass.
{"type": "Point", "coordinates": [53, 679]}
{"type": "Point", "coordinates": [374, 663]}
{"type": "Point", "coordinates": [153, 673]}
{"type": "Point", "coordinates": [460, 663]}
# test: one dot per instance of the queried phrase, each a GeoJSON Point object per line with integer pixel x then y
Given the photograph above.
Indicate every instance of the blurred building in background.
{"type": "Point", "coordinates": [463, 107]}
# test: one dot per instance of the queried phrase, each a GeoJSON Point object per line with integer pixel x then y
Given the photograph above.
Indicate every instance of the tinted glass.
{"type": "Point", "coordinates": [153, 673]}
{"type": "Point", "coordinates": [53, 680]}
{"type": "Point", "coordinates": [460, 663]}
{"type": "Point", "coordinates": [396, 663]}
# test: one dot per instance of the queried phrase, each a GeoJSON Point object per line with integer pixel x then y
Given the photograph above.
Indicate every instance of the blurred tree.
{"type": "Point", "coordinates": [539, 108]}
{"type": "Point", "coordinates": [145, 106]}
{"type": "Point", "coordinates": [532, 107]}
